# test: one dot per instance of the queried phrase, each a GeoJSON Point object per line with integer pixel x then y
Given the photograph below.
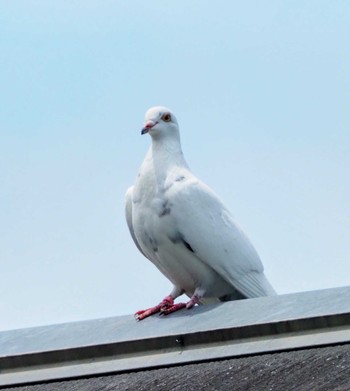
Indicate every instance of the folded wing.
{"type": "Point", "coordinates": [216, 239]}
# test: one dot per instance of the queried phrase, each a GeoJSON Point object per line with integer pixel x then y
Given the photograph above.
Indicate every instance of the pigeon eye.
{"type": "Point", "coordinates": [166, 117]}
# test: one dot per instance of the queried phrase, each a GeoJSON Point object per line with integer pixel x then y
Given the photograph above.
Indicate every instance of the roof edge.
{"type": "Point", "coordinates": [213, 337]}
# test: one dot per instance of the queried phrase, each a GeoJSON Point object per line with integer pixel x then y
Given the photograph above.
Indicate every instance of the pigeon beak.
{"type": "Point", "coordinates": [148, 125]}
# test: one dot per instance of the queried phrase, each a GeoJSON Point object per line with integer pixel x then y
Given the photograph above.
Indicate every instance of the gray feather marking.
{"type": "Point", "coordinates": [179, 238]}
{"type": "Point", "coordinates": [166, 210]}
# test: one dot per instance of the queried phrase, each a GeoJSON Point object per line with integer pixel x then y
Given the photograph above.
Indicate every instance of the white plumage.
{"type": "Point", "coordinates": [180, 225]}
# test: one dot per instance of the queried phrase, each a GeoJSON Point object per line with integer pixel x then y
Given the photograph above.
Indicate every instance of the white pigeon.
{"type": "Point", "coordinates": [181, 226]}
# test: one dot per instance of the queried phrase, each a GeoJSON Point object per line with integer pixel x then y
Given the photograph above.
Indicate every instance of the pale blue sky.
{"type": "Point", "coordinates": [261, 92]}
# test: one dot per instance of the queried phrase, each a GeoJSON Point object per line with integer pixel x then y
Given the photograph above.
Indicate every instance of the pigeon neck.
{"type": "Point", "coordinates": [167, 154]}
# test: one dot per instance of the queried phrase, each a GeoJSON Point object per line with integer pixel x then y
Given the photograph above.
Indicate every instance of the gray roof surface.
{"type": "Point", "coordinates": [232, 314]}
{"type": "Point", "coordinates": [205, 333]}
{"type": "Point", "coordinates": [319, 369]}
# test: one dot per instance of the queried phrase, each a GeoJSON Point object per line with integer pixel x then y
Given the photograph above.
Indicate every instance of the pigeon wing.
{"type": "Point", "coordinates": [128, 215]}
{"type": "Point", "coordinates": [209, 229]}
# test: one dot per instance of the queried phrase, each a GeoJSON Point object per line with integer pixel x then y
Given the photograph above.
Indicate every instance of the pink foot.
{"type": "Point", "coordinates": [191, 303]}
{"type": "Point", "coordinates": [168, 302]}
{"type": "Point", "coordinates": [171, 309]}
{"type": "Point", "coordinates": [194, 300]}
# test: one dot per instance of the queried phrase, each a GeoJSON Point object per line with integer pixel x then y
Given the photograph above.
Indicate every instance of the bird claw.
{"type": "Point", "coordinates": [171, 309]}
{"type": "Point", "coordinates": [166, 307]}
{"type": "Point", "coordinates": [139, 315]}
{"type": "Point", "coordinates": [161, 307]}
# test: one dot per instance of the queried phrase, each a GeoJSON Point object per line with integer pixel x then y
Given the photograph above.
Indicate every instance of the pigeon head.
{"type": "Point", "coordinates": [160, 122]}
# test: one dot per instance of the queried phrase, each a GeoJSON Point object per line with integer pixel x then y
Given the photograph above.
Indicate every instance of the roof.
{"type": "Point", "coordinates": [321, 369]}
{"type": "Point", "coordinates": [206, 335]}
